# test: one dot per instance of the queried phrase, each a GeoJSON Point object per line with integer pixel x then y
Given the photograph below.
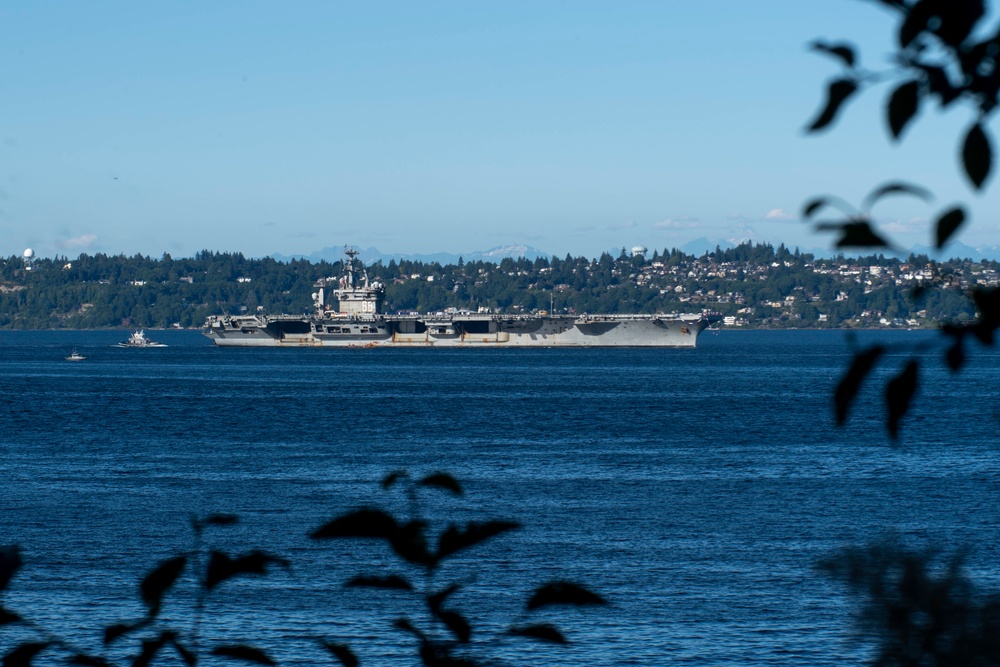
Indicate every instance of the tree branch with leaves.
{"type": "Point", "coordinates": [943, 54]}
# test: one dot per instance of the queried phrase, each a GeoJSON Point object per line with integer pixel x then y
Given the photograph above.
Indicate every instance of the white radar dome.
{"type": "Point", "coordinates": [29, 253]}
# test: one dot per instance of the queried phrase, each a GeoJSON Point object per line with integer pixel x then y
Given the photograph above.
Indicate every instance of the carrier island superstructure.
{"type": "Point", "coordinates": [359, 321]}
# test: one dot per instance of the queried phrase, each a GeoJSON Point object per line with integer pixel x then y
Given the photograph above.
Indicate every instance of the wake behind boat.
{"type": "Point", "coordinates": [138, 339]}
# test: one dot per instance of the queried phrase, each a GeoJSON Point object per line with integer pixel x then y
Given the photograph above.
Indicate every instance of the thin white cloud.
{"type": "Point", "coordinates": [77, 243]}
{"type": "Point", "coordinates": [677, 224]}
{"type": "Point", "coordinates": [778, 214]}
{"type": "Point", "coordinates": [900, 226]}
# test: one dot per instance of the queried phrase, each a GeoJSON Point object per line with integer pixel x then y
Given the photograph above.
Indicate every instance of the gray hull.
{"type": "Point", "coordinates": [458, 331]}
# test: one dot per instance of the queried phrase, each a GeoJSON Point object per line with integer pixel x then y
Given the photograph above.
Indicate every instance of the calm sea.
{"type": "Point", "coordinates": [695, 489]}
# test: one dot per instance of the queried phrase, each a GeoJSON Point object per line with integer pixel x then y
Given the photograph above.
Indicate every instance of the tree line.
{"type": "Point", "coordinates": [758, 284]}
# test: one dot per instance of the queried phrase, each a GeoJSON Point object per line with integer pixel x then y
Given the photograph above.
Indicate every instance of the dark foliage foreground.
{"type": "Point", "coordinates": [946, 54]}
{"type": "Point", "coordinates": [441, 635]}
{"type": "Point", "coordinates": [919, 608]}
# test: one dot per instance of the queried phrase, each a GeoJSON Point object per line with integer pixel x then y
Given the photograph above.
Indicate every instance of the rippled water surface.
{"type": "Point", "coordinates": [696, 489]}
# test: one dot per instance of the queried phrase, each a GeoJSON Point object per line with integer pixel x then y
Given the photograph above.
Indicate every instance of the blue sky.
{"type": "Point", "coordinates": [576, 127]}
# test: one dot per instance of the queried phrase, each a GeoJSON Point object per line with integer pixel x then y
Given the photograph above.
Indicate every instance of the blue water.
{"type": "Point", "coordinates": [695, 489]}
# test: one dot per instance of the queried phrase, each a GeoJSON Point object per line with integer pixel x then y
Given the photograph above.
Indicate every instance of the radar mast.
{"type": "Point", "coordinates": [357, 296]}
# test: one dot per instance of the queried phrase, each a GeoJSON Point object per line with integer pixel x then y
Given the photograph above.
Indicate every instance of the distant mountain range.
{"type": "Point", "coordinates": [372, 255]}
{"type": "Point", "coordinates": [696, 247]}
{"type": "Point", "coordinates": [958, 250]}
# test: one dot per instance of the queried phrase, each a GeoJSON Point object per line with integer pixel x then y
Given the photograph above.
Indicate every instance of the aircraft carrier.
{"type": "Point", "coordinates": [359, 321]}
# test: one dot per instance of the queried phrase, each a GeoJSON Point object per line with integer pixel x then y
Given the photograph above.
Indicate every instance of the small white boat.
{"type": "Point", "coordinates": [138, 339]}
{"type": "Point", "coordinates": [76, 356]}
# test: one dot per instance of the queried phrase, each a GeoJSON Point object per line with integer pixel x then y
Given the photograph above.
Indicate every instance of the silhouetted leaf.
{"type": "Point", "coordinates": [837, 94]}
{"type": "Point", "coordinates": [939, 83]}
{"type": "Point", "coordinates": [8, 617]}
{"type": "Point", "coordinates": [189, 658]}
{"type": "Point", "coordinates": [87, 660]}
{"type": "Point", "coordinates": [977, 155]}
{"type": "Point", "coordinates": [393, 477]}
{"type": "Point", "coordinates": [393, 581]}
{"type": "Point", "coordinates": [955, 24]}
{"type": "Point", "coordinates": [844, 52]}
{"type": "Point", "coordinates": [113, 632]}
{"type": "Point", "coordinates": [155, 585]}
{"type": "Point", "coordinates": [953, 330]}
{"type": "Point", "coordinates": [895, 188]}
{"type": "Point", "coordinates": [342, 653]}
{"type": "Point", "coordinates": [10, 563]}
{"type": "Point", "coordinates": [899, 5]}
{"type": "Point", "coordinates": [438, 599]}
{"type": "Point", "coordinates": [849, 385]}
{"type": "Point", "coordinates": [563, 593]}
{"type": "Point", "coordinates": [920, 614]}
{"type": "Point", "coordinates": [456, 623]}
{"type": "Point", "coordinates": [365, 522]}
{"type": "Point", "coordinates": [956, 355]}
{"type": "Point", "coordinates": [150, 648]}
{"type": "Point", "coordinates": [433, 654]}
{"type": "Point", "coordinates": [858, 234]}
{"type": "Point", "coordinates": [817, 203]}
{"type": "Point", "coordinates": [988, 303]}
{"type": "Point", "coordinates": [542, 631]}
{"type": "Point", "coordinates": [243, 652]}
{"type": "Point", "coordinates": [442, 480]}
{"type": "Point", "coordinates": [898, 394]}
{"type": "Point", "coordinates": [902, 107]}
{"type": "Point", "coordinates": [23, 654]}
{"type": "Point", "coordinates": [404, 624]}
{"type": "Point", "coordinates": [410, 543]}
{"type": "Point", "coordinates": [915, 23]}
{"type": "Point", "coordinates": [221, 567]}
{"type": "Point", "coordinates": [948, 224]}
{"type": "Point", "coordinates": [814, 205]}
{"type": "Point", "coordinates": [455, 538]}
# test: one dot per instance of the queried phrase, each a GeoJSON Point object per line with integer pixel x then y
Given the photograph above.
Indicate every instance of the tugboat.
{"type": "Point", "coordinates": [138, 339]}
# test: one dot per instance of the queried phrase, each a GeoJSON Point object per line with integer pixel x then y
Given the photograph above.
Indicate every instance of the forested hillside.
{"type": "Point", "coordinates": [754, 285]}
